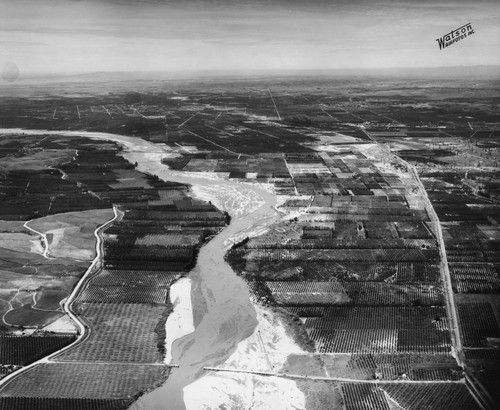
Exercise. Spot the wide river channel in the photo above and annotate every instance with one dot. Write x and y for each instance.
(222, 313)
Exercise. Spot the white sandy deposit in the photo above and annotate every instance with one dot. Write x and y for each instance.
(228, 319)
(265, 350)
(243, 391)
(236, 200)
(180, 321)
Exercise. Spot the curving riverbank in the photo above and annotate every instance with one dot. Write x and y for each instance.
(221, 313)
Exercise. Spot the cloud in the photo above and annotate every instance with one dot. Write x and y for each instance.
(132, 35)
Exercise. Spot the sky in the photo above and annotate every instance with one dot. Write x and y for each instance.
(85, 36)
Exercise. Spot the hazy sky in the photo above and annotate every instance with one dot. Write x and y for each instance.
(55, 36)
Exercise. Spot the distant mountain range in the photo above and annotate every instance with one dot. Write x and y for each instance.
(459, 72)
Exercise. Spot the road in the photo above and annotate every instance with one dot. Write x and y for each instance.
(274, 103)
(214, 143)
(475, 387)
(45, 241)
(222, 313)
(336, 379)
(199, 111)
(9, 302)
(84, 331)
(456, 340)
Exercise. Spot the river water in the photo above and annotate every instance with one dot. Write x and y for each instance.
(223, 315)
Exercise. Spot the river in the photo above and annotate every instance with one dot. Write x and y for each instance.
(222, 313)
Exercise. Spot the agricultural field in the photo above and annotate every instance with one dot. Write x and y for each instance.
(393, 366)
(85, 381)
(158, 230)
(355, 268)
(45, 247)
(120, 332)
(18, 351)
(466, 202)
(48, 403)
(71, 234)
(416, 396)
(115, 286)
(353, 260)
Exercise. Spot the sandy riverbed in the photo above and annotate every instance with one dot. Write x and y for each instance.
(214, 329)
(180, 321)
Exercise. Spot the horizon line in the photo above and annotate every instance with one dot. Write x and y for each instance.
(203, 72)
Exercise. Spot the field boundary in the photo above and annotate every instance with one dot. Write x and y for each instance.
(82, 335)
(337, 379)
(445, 272)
